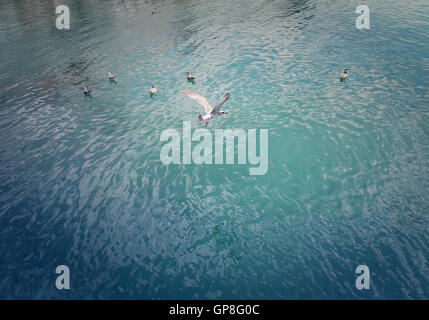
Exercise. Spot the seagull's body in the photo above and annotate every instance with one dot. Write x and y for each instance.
(210, 111)
(344, 75)
(112, 77)
(154, 11)
(153, 90)
(189, 76)
(86, 91)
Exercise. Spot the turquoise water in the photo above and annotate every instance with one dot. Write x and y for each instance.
(82, 184)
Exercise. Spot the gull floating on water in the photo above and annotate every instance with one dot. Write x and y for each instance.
(189, 76)
(208, 109)
(344, 75)
(86, 91)
(153, 90)
(112, 77)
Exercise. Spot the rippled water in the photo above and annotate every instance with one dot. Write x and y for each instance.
(82, 184)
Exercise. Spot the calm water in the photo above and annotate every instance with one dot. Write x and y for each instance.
(82, 184)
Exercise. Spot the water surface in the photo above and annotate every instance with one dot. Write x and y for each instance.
(82, 184)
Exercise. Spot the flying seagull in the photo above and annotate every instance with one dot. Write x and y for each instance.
(208, 109)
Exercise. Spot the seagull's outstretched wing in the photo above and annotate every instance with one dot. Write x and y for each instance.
(221, 102)
(200, 99)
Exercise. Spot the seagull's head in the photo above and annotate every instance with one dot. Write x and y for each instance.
(153, 85)
(200, 118)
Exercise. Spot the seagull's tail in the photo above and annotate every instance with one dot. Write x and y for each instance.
(200, 118)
